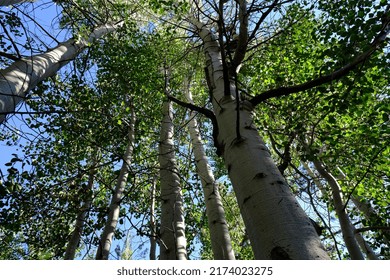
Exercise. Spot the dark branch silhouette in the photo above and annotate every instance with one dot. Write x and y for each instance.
(343, 71)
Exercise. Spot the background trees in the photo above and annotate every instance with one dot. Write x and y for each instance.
(308, 77)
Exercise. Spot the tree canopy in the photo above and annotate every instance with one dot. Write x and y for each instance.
(291, 99)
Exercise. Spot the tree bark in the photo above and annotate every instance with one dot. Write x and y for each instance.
(219, 232)
(114, 209)
(74, 240)
(173, 240)
(367, 210)
(23, 75)
(153, 226)
(345, 223)
(365, 247)
(277, 226)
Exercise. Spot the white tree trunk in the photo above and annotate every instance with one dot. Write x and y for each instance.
(23, 75)
(173, 242)
(365, 247)
(277, 226)
(80, 220)
(366, 208)
(153, 226)
(114, 209)
(13, 2)
(219, 232)
(345, 223)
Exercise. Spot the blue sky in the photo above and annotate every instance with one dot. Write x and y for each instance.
(46, 14)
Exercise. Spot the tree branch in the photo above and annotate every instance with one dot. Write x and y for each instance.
(9, 56)
(283, 91)
(221, 32)
(262, 18)
(242, 43)
(364, 175)
(372, 228)
(206, 112)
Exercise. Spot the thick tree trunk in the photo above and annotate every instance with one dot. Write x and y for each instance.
(74, 240)
(23, 75)
(277, 226)
(345, 223)
(114, 209)
(173, 240)
(219, 232)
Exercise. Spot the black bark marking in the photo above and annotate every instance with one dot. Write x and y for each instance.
(260, 175)
(317, 227)
(278, 253)
(229, 167)
(238, 141)
(249, 126)
(265, 149)
(246, 199)
(210, 84)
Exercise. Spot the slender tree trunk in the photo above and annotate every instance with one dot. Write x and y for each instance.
(367, 210)
(23, 75)
(345, 223)
(13, 2)
(370, 213)
(219, 232)
(173, 240)
(114, 209)
(314, 177)
(80, 220)
(365, 247)
(153, 227)
(277, 226)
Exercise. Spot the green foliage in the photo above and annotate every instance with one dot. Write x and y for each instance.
(85, 112)
(240, 241)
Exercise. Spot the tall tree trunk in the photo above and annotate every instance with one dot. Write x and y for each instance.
(173, 240)
(277, 226)
(345, 223)
(368, 211)
(153, 226)
(365, 247)
(81, 217)
(219, 232)
(114, 209)
(23, 75)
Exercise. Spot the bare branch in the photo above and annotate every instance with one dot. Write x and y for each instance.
(206, 112)
(9, 56)
(240, 52)
(262, 18)
(372, 228)
(39, 25)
